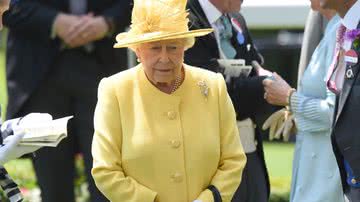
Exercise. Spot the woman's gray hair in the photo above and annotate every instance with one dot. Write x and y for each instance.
(189, 42)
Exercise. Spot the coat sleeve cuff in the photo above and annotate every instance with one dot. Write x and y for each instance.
(294, 102)
(216, 193)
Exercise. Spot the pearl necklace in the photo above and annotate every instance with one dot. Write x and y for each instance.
(177, 83)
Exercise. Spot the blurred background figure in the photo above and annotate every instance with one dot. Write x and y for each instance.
(312, 105)
(231, 40)
(12, 149)
(57, 51)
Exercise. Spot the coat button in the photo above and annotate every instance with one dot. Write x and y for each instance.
(353, 181)
(171, 115)
(175, 143)
(177, 177)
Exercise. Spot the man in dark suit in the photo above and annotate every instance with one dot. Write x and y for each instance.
(57, 51)
(346, 84)
(246, 93)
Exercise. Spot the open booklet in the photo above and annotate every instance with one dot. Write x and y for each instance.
(48, 133)
(234, 68)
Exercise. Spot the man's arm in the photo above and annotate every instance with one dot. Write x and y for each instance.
(119, 14)
(32, 18)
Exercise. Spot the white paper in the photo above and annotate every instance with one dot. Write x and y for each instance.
(43, 133)
(234, 68)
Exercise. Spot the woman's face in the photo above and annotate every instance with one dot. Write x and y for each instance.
(315, 5)
(162, 60)
(227, 6)
(4, 6)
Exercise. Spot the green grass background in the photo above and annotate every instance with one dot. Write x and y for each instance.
(279, 157)
(3, 90)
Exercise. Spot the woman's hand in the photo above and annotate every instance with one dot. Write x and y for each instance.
(280, 123)
(276, 90)
(12, 150)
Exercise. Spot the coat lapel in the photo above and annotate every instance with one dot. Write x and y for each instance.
(348, 83)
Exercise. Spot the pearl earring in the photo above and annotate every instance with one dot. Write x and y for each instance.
(138, 60)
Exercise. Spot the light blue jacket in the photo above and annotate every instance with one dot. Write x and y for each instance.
(315, 175)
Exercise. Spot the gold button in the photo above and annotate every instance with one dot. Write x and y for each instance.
(175, 143)
(176, 177)
(171, 115)
(353, 181)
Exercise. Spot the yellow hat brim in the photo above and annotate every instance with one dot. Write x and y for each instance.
(158, 36)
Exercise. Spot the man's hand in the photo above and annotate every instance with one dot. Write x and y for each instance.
(77, 31)
(63, 22)
(91, 28)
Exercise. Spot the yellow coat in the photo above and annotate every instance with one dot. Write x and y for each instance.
(151, 146)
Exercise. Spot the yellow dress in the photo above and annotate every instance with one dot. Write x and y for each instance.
(151, 146)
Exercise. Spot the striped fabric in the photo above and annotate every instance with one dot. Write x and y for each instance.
(313, 114)
(9, 187)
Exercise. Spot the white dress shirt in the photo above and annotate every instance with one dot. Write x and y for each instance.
(213, 15)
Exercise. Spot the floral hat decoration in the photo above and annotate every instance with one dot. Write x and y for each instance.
(156, 20)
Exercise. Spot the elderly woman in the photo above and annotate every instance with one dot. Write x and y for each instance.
(165, 131)
(315, 174)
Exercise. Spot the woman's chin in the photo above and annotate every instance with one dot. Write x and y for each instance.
(163, 80)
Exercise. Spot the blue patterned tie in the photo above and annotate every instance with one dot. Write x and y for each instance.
(225, 34)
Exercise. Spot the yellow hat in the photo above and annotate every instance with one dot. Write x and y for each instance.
(155, 20)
